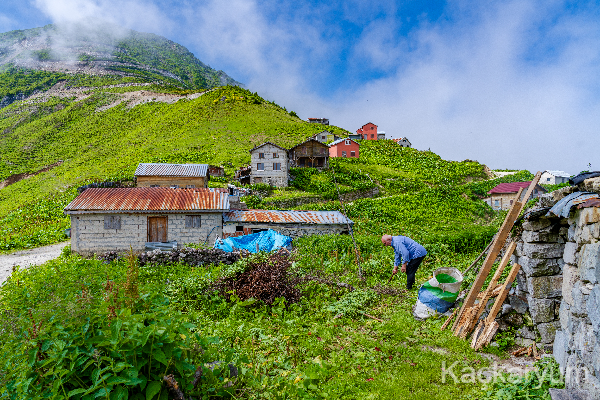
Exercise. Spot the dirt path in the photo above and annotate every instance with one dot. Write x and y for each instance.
(26, 258)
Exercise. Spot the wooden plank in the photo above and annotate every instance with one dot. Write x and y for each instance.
(530, 190)
(492, 286)
(449, 319)
(503, 233)
(502, 296)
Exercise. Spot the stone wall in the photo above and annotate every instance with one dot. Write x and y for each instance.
(89, 237)
(558, 287)
(577, 343)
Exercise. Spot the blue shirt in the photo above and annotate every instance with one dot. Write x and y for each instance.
(406, 249)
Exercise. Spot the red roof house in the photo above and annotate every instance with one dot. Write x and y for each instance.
(503, 195)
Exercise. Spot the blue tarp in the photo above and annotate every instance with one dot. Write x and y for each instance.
(267, 241)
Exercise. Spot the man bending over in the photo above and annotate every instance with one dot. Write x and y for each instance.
(408, 253)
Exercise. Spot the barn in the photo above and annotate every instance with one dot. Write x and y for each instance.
(113, 219)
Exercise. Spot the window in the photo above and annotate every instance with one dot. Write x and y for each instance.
(154, 185)
(352, 154)
(372, 129)
(496, 203)
(372, 135)
(112, 222)
(276, 166)
(547, 179)
(323, 137)
(275, 155)
(347, 142)
(261, 155)
(343, 154)
(511, 202)
(174, 186)
(190, 186)
(239, 228)
(192, 221)
(260, 166)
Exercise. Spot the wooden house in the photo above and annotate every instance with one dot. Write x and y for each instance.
(344, 148)
(113, 219)
(310, 153)
(174, 176)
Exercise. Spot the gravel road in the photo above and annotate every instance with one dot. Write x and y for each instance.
(26, 258)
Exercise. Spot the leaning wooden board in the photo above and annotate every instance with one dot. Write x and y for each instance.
(503, 233)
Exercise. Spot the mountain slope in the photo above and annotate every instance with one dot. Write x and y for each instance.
(107, 50)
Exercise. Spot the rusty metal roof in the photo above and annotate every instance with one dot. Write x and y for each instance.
(282, 217)
(563, 207)
(595, 202)
(187, 170)
(148, 200)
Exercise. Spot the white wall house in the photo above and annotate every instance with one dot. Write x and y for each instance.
(554, 177)
(117, 219)
(269, 165)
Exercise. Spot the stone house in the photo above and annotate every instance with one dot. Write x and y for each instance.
(289, 223)
(172, 175)
(344, 148)
(310, 153)
(325, 137)
(503, 195)
(270, 165)
(554, 177)
(403, 142)
(115, 219)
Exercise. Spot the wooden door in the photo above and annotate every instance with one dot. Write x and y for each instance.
(157, 229)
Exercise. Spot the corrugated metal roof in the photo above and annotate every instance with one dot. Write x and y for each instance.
(266, 143)
(560, 174)
(590, 203)
(190, 170)
(563, 207)
(282, 217)
(148, 199)
(511, 187)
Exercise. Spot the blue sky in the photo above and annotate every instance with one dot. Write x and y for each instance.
(512, 84)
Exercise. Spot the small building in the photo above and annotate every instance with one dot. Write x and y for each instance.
(404, 142)
(270, 165)
(344, 148)
(504, 194)
(216, 170)
(174, 176)
(368, 131)
(381, 135)
(325, 137)
(310, 153)
(322, 121)
(115, 219)
(355, 136)
(554, 177)
(242, 175)
(289, 223)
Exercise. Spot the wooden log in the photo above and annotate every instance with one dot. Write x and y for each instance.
(370, 316)
(487, 335)
(503, 233)
(445, 325)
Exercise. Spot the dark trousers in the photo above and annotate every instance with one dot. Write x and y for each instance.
(411, 270)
